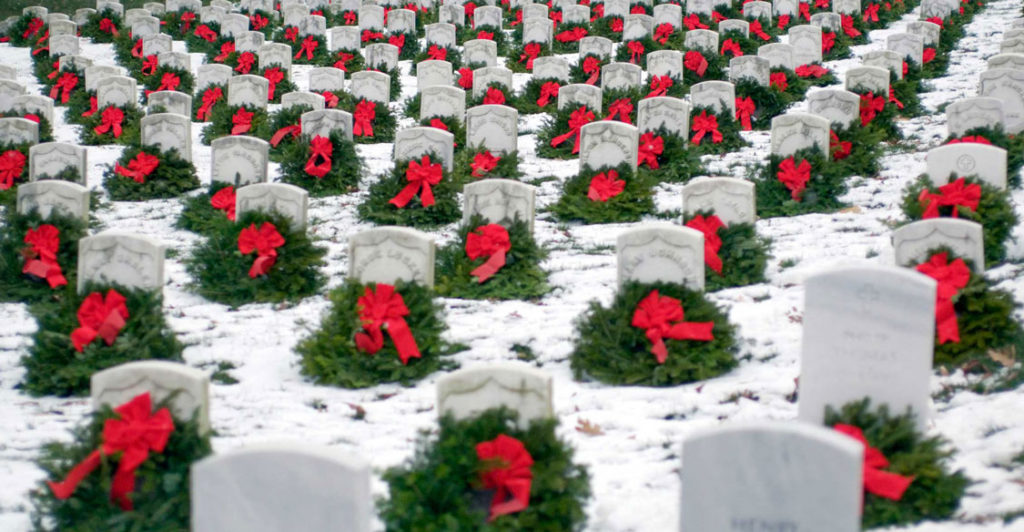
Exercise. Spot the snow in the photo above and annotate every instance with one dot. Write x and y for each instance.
(635, 463)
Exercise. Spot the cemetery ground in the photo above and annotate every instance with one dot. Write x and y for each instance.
(629, 437)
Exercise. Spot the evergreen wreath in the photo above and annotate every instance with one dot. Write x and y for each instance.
(410, 45)
(556, 125)
(677, 162)
(995, 214)
(9, 193)
(196, 43)
(19, 287)
(411, 107)
(610, 349)
(286, 117)
(885, 119)
(625, 54)
(635, 199)
(520, 278)
(578, 74)
(506, 93)
(161, 494)
(384, 123)
(795, 86)
(768, 102)
(320, 55)
(43, 65)
(197, 101)
(221, 122)
(517, 58)
(348, 60)
(1013, 144)
(856, 150)
(439, 488)
(130, 127)
(451, 54)
(331, 356)
(526, 101)
(744, 255)
(809, 79)
(835, 45)
(343, 177)
(935, 492)
(198, 213)
(748, 45)
(282, 87)
(632, 95)
(652, 88)
(177, 24)
(79, 102)
(823, 188)
(123, 47)
(45, 128)
(573, 33)
(715, 69)
(221, 271)
(27, 31)
(727, 125)
(377, 207)
(610, 27)
(450, 124)
(507, 166)
(172, 177)
(153, 82)
(98, 31)
(54, 367)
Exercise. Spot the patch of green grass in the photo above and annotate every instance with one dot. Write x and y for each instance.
(788, 263)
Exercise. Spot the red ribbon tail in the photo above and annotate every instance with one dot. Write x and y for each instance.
(404, 341)
(262, 265)
(122, 486)
(240, 128)
(405, 196)
(65, 488)
(713, 261)
(486, 270)
(945, 322)
(370, 341)
(885, 484)
(657, 346)
(111, 326)
(82, 337)
(520, 491)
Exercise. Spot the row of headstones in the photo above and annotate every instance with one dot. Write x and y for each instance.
(1004, 81)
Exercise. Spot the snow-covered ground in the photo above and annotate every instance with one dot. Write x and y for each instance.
(635, 462)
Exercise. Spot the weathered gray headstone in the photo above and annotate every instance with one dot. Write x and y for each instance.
(657, 112)
(161, 379)
(239, 160)
(806, 42)
(371, 86)
(661, 252)
(608, 144)
(481, 52)
(912, 242)
(323, 122)
(15, 130)
(499, 201)
(970, 113)
(48, 197)
(752, 67)
(287, 200)
(1008, 86)
(796, 131)
(128, 259)
(212, 74)
(467, 393)
(389, 254)
(987, 163)
(415, 142)
(731, 199)
(720, 96)
(874, 79)
(494, 127)
(52, 158)
(576, 94)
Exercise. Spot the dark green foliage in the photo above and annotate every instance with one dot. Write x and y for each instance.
(130, 134)
(840, 47)
(886, 119)
(439, 488)
(749, 44)
(197, 101)
(321, 57)
(935, 492)
(346, 167)
(526, 101)
(411, 107)
(866, 146)
(53, 367)
(445, 210)
(20, 27)
(284, 117)
(744, 254)
(152, 82)
(79, 103)
(635, 200)
(473, 101)
(92, 27)
(18, 287)
(1013, 144)
(172, 177)
(220, 121)
(198, 215)
(507, 167)
(160, 497)
(768, 102)
(384, 124)
(516, 60)
(995, 214)
(410, 48)
(905, 91)
(221, 271)
(454, 56)
(557, 124)
(624, 55)
(633, 95)
(677, 162)
(520, 278)
(123, 52)
(578, 75)
(611, 350)
(330, 356)
(282, 87)
(568, 47)
(716, 70)
(197, 44)
(727, 125)
(827, 183)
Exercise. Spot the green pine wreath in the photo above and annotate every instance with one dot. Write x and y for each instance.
(822, 193)
(578, 75)
(452, 55)
(152, 82)
(438, 489)
(198, 214)
(321, 56)
(866, 146)
(520, 278)
(384, 123)
(18, 30)
(768, 103)
(53, 367)
(635, 200)
(886, 119)
(284, 117)
(474, 101)
(78, 103)
(346, 167)
(411, 107)
(220, 270)
(678, 163)
(905, 91)
(197, 101)
(507, 167)
(727, 125)
(609, 349)
(377, 208)
(172, 177)
(526, 101)
(555, 125)
(516, 60)
(330, 356)
(282, 87)
(220, 124)
(130, 128)
(624, 55)
(744, 255)
(935, 492)
(16, 286)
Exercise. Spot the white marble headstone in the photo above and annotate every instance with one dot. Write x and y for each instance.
(731, 199)
(482, 52)
(806, 43)
(371, 86)
(389, 254)
(661, 252)
(1007, 85)
(792, 132)
(499, 201)
(289, 201)
(168, 131)
(986, 163)
(752, 67)
(838, 106)
(248, 89)
(874, 79)
(439, 101)
(608, 144)
(720, 96)
(494, 127)
(433, 72)
(314, 101)
(52, 158)
(15, 130)
(241, 158)
(657, 112)
(323, 122)
(50, 196)
(190, 387)
(665, 63)
(970, 113)
(620, 75)
(913, 242)
(128, 259)
(212, 74)
(415, 142)
(469, 392)
(576, 94)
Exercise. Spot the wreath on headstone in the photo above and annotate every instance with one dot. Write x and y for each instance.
(734, 255)
(996, 136)
(202, 212)
(38, 257)
(605, 195)
(169, 79)
(324, 166)
(801, 183)
(235, 120)
(477, 162)
(539, 95)
(418, 193)
(29, 30)
(112, 125)
(372, 122)
(665, 157)
(714, 133)
(147, 172)
(559, 136)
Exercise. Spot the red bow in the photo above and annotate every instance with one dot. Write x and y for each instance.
(597, 12)
(745, 109)
(12, 164)
(779, 81)
(704, 124)
(530, 52)
(41, 255)
(638, 10)
(491, 241)
(242, 121)
(149, 65)
(616, 25)
(821, 4)
(571, 35)
(483, 163)
(469, 8)
(186, 19)
(466, 78)
(655, 313)
(421, 176)
(34, 26)
(518, 20)
(274, 76)
(935, 20)
(319, 163)
(134, 435)
(828, 40)
(871, 13)
(649, 149)
(732, 47)
(437, 53)
(783, 21)
(838, 149)
(211, 96)
(107, 26)
(507, 472)
(951, 277)
(309, 45)
(694, 61)
(224, 200)
(663, 32)
(794, 176)
(620, 110)
(805, 11)
(756, 29)
(808, 71)
(246, 60)
(139, 168)
(548, 91)
(660, 86)
(258, 22)
(397, 41)
(955, 194)
(64, 85)
(99, 316)
(712, 242)
(350, 18)
(169, 82)
(385, 308)
(881, 483)
(636, 51)
(971, 139)
(605, 186)
(494, 96)
(264, 242)
(592, 66)
(204, 32)
(369, 35)
(366, 112)
(54, 70)
(870, 106)
(929, 55)
(848, 28)
(291, 33)
(717, 17)
(342, 59)
(110, 120)
(556, 18)
(692, 22)
(577, 119)
(893, 99)
(226, 49)
(92, 107)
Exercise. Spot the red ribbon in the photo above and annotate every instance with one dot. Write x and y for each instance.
(571, 35)
(530, 52)
(556, 17)
(204, 32)
(508, 472)
(211, 96)
(107, 26)
(41, 255)
(485, 35)
(783, 21)
(805, 11)
(828, 40)
(605, 186)
(870, 13)
(319, 163)
(838, 149)
(893, 99)
(421, 176)
(138, 168)
(577, 119)
(309, 45)
(169, 82)
(881, 483)
(794, 176)
(811, 71)
(692, 22)
(616, 25)
(491, 241)
(745, 108)
(592, 66)
(870, 106)
(226, 50)
(439, 124)
(620, 110)
(293, 130)
(717, 17)
(385, 308)
(649, 149)
(951, 277)
(186, 19)
(469, 8)
(246, 60)
(99, 316)
(397, 41)
(955, 194)
(518, 20)
(264, 242)
(662, 317)
(971, 139)
(366, 112)
(660, 85)
(756, 29)
(137, 49)
(694, 61)
(731, 47)
(597, 12)
(149, 65)
(92, 107)
(64, 85)
(779, 81)
(494, 96)
(636, 51)
(663, 32)
(274, 76)
(929, 55)
(224, 200)
(54, 70)
(12, 164)
(704, 124)
(110, 120)
(369, 35)
(483, 163)
(437, 53)
(241, 121)
(134, 435)
(848, 27)
(343, 58)
(350, 18)
(712, 242)
(935, 20)
(291, 33)
(34, 26)
(258, 22)
(466, 78)
(548, 91)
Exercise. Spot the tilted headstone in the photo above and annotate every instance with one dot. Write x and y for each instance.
(250, 41)
(970, 113)
(14, 130)
(482, 77)
(887, 59)
(441, 34)
(661, 252)
(838, 106)
(657, 112)
(289, 201)
(154, 44)
(806, 43)
(665, 63)
(731, 199)
(128, 259)
(597, 46)
(239, 160)
(54, 196)
(382, 56)
(51, 158)
(63, 45)
(929, 31)
(761, 476)
(344, 38)
(494, 127)
(276, 54)
(636, 27)
(323, 122)
(499, 201)
(913, 242)
(248, 89)
(309, 99)
(415, 142)
(1011, 61)
(752, 67)
(371, 86)
(481, 52)
(523, 389)
(705, 41)
(908, 45)
(281, 487)
(433, 72)
(441, 101)
(389, 254)
(987, 163)
(576, 94)
(868, 332)
(874, 79)
(327, 79)
(537, 30)
(41, 106)
(827, 21)
(792, 132)
(1008, 86)
(620, 75)
(168, 131)
(720, 96)
(779, 55)
(190, 388)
